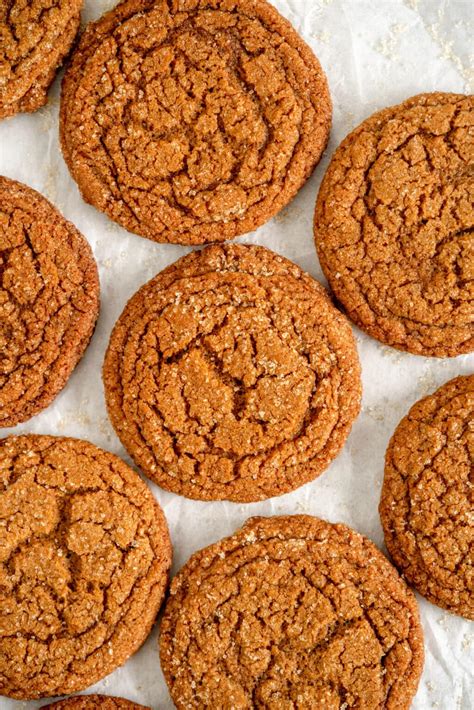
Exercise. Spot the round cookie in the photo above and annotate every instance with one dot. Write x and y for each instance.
(49, 301)
(427, 503)
(291, 612)
(231, 375)
(84, 561)
(193, 122)
(34, 39)
(394, 225)
(94, 702)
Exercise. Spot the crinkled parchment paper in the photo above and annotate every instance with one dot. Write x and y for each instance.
(375, 53)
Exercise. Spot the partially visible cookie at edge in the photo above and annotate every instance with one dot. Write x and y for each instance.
(231, 375)
(291, 611)
(193, 122)
(394, 225)
(427, 502)
(94, 702)
(34, 40)
(49, 301)
(84, 561)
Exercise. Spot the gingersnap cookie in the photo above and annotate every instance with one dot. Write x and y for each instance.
(34, 39)
(291, 612)
(231, 375)
(394, 225)
(49, 301)
(94, 702)
(84, 560)
(427, 503)
(191, 122)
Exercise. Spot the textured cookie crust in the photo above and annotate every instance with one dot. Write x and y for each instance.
(84, 560)
(34, 39)
(192, 121)
(394, 225)
(49, 301)
(291, 612)
(231, 375)
(427, 503)
(94, 702)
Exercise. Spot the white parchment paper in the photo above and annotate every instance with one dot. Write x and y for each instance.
(375, 53)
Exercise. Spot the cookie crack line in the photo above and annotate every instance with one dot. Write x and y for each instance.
(241, 391)
(250, 94)
(336, 629)
(372, 213)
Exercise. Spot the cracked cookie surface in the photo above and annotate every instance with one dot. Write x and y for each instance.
(427, 502)
(193, 121)
(291, 612)
(34, 39)
(394, 225)
(49, 301)
(94, 702)
(84, 560)
(231, 375)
